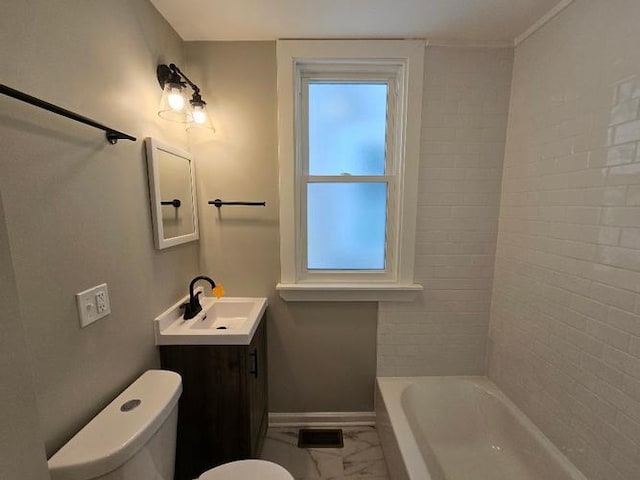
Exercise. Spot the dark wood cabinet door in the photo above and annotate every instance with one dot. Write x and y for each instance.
(257, 389)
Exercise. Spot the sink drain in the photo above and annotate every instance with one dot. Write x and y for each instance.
(221, 328)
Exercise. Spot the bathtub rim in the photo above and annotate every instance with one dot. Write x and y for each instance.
(391, 389)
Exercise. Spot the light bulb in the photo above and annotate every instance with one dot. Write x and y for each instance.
(200, 120)
(199, 115)
(175, 99)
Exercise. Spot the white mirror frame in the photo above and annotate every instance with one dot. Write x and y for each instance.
(153, 168)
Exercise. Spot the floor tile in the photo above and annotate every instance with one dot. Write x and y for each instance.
(360, 459)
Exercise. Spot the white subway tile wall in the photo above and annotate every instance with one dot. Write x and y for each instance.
(565, 323)
(466, 98)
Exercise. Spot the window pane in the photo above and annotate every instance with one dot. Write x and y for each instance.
(347, 128)
(346, 226)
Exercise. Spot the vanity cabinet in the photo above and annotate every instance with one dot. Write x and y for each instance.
(222, 412)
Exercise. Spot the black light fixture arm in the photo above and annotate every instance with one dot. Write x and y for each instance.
(173, 75)
(174, 68)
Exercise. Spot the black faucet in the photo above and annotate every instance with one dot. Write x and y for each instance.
(193, 307)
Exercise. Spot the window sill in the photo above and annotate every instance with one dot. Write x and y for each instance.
(348, 292)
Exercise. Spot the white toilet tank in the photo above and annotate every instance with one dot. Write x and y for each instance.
(133, 438)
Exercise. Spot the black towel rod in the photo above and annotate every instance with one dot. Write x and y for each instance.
(175, 202)
(219, 203)
(112, 135)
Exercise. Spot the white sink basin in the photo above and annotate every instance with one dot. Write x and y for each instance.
(224, 321)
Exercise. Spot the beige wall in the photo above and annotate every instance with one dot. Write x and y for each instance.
(565, 325)
(77, 208)
(466, 98)
(22, 450)
(321, 355)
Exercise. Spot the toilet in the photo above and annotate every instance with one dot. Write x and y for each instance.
(134, 438)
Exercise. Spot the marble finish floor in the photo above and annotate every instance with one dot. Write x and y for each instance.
(361, 458)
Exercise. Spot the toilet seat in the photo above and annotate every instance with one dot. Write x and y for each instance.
(247, 470)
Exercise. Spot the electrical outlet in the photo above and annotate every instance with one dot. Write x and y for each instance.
(93, 304)
(101, 301)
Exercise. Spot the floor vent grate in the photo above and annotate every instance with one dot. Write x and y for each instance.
(320, 438)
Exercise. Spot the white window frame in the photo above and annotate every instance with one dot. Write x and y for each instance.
(400, 62)
(382, 74)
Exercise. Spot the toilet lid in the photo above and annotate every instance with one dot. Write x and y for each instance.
(247, 470)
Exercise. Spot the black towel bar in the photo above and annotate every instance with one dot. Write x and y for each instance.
(219, 203)
(112, 135)
(175, 202)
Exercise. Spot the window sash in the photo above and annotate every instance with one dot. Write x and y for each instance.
(308, 272)
(348, 74)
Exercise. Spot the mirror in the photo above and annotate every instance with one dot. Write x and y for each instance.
(172, 191)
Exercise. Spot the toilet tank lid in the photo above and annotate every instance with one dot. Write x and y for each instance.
(120, 430)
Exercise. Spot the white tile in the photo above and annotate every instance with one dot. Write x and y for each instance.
(457, 219)
(586, 323)
(361, 457)
(625, 112)
(621, 216)
(627, 132)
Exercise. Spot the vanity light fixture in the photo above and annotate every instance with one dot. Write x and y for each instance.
(174, 105)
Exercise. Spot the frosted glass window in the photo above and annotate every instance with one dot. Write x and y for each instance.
(346, 225)
(347, 128)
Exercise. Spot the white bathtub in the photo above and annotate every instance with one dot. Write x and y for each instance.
(461, 428)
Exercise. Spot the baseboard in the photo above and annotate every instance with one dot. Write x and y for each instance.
(322, 419)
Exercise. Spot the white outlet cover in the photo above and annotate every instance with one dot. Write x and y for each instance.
(93, 304)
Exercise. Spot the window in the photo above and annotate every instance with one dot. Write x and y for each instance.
(349, 128)
(343, 183)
